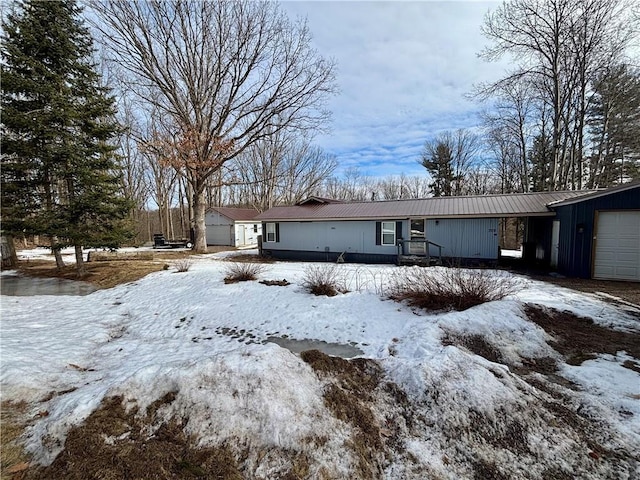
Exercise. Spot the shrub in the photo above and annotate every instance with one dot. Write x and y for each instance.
(323, 279)
(450, 288)
(242, 272)
(183, 264)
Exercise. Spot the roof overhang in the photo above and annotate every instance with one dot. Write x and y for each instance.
(406, 217)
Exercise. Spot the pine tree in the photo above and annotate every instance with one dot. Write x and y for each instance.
(614, 121)
(59, 169)
(439, 166)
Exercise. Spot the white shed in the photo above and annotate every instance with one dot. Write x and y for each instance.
(234, 227)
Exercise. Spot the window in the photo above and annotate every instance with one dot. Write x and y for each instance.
(255, 228)
(388, 233)
(271, 232)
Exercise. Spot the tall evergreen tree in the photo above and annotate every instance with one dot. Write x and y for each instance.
(614, 123)
(439, 165)
(59, 169)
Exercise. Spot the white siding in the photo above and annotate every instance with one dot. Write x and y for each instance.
(617, 246)
(245, 235)
(219, 235)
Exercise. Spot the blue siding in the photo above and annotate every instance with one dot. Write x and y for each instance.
(470, 238)
(575, 255)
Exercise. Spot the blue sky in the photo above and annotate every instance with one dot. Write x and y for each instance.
(403, 69)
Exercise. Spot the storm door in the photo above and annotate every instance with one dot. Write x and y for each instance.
(417, 233)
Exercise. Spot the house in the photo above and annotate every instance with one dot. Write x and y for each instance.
(236, 227)
(461, 228)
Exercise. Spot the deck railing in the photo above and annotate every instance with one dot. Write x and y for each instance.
(405, 251)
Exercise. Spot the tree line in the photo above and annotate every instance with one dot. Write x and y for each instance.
(196, 104)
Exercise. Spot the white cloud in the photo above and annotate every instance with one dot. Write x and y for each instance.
(403, 70)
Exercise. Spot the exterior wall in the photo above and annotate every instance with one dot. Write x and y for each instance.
(469, 238)
(577, 229)
(321, 237)
(214, 218)
(473, 238)
(246, 231)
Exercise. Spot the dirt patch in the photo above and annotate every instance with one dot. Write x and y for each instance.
(114, 444)
(275, 283)
(247, 258)
(579, 338)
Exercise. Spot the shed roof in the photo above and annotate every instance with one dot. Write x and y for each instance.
(236, 214)
(478, 206)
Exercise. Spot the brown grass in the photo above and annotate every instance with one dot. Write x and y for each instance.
(134, 451)
(106, 274)
(12, 455)
(349, 398)
(578, 338)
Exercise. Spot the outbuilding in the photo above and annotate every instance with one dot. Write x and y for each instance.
(597, 235)
(236, 227)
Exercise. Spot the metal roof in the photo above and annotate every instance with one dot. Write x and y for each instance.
(598, 193)
(236, 214)
(480, 206)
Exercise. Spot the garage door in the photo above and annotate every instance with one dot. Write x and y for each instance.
(617, 252)
(219, 234)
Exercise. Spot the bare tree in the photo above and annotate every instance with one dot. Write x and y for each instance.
(229, 73)
(510, 131)
(558, 47)
(281, 169)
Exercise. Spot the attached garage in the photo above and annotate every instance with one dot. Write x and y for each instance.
(617, 246)
(599, 234)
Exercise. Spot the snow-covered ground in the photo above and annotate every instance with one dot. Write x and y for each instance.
(193, 334)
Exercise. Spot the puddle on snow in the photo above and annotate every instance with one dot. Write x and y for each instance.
(333, 349)
(15, 285)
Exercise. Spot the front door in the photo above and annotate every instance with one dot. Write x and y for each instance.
(417, 233)
(241, 236)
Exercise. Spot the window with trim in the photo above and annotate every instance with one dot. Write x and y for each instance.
(255, 228)
(388, 233)
(271, 232)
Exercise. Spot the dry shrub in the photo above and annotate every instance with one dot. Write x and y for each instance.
(242, 272)
(323, 279)
(183, 264)
(449, 288)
